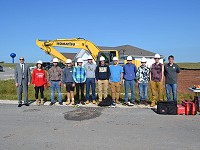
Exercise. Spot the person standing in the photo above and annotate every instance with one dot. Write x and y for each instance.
(39, 81)
(55, 78)
(142, 77)
(79, 76)
(22, 81)
(129, 81)
(68, 81)
(156, 80)
(116, 78)
(102, 74)
(90, 80)
(170, 71)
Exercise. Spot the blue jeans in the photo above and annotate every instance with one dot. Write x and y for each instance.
(55, 85)
(131, 85)
(172, 87)
(143, 87)
(90, 82)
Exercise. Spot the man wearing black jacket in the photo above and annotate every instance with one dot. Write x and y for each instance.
(102, 74)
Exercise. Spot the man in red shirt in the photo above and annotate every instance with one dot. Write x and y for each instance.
(39, 80)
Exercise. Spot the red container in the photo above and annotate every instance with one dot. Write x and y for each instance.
(180, 109)
(190, 107)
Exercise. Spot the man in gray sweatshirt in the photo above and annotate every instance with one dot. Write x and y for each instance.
(90, 80)
(68, 81)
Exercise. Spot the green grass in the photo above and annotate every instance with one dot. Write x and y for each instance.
(9, 91)
(189, 65)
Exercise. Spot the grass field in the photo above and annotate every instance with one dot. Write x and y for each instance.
(9, 91)
(189, 65)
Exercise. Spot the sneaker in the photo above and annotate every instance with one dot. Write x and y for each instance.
(27, 104)
(129, 103)
(113, 105)
(51, 104)
(87, 102)
(60, 103)
(19, 105)
(117, 101)
(82, 102)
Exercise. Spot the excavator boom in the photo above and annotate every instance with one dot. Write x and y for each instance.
(49, 47)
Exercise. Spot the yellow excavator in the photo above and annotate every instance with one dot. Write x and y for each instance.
(49, 47)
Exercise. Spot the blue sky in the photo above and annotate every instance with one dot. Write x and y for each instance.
(161, 26)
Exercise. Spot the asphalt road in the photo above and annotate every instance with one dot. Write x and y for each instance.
(59, 127)
(7, 74)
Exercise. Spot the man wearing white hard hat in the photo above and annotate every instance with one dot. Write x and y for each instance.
(90, 80)
(102, 74)
(39, 81)
(116, 77)
(55, 79)
(129, 81)
(142, 76)
(79, 76)
(156, 80)
(68, 81)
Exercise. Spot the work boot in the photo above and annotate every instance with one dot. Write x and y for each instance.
(73, 102)
(117, 101)
(42, 102)
(153, 103)
(37, 102)
(87, 102)
(94, 102)
(68, 102)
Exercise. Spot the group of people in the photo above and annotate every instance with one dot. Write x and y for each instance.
(104, 76)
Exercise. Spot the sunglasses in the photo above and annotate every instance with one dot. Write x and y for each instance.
(21, 59)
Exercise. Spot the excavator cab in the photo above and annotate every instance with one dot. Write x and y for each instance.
(108, 55)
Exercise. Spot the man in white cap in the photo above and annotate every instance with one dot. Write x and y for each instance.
(55, 79)
(90, 80)
(142, 77)
(116, 77)
(102, 74)
(156, 80)
(129, 81)
(68, 81)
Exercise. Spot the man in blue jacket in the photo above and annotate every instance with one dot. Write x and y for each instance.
(129, 77)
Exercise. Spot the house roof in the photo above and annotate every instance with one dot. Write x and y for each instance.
(129, 50)
(69, 55)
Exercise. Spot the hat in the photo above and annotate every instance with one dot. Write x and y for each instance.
(102, 58)
(89, 57)
(143, 59)
(80, 60)
(157, 56)
(115, 58)
(129, 58)
(55, 60)
(39, 62)
(68, 61)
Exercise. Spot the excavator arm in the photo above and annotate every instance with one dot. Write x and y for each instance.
(49, 47)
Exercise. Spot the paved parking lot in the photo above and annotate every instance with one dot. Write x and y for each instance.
(7, 74)
(61, 127)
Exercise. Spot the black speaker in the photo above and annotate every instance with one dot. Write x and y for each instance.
(167, 108)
